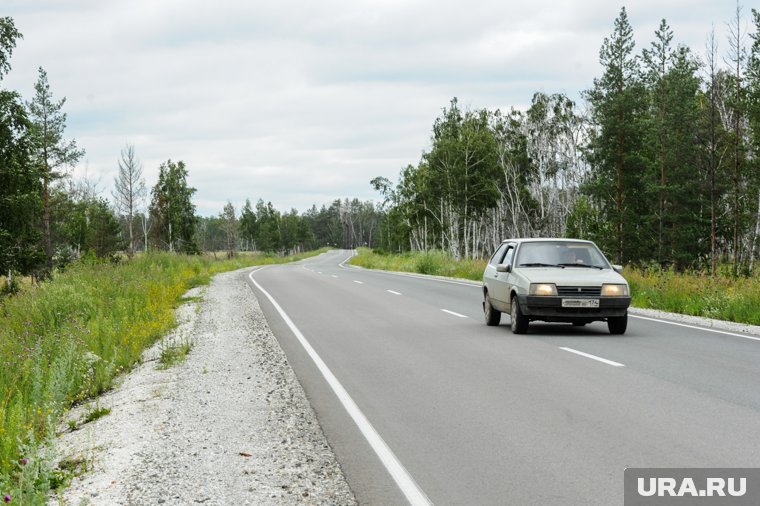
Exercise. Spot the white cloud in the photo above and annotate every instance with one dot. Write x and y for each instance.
(304, 102)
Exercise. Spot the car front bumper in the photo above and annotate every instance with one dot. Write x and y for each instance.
(550, 309)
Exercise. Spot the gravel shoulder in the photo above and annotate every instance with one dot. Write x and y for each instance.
(229, 425)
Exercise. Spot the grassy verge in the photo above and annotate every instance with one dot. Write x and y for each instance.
(435, 263)
(66, 340)
(723, 297)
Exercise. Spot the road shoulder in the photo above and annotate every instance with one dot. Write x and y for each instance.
(229, 425)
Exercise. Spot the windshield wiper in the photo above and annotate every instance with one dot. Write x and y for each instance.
(539, 264)
(583, 265)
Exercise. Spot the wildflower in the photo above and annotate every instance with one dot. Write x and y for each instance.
(7, 498)
(23, 461)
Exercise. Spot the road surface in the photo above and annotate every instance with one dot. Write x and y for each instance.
(433, 406)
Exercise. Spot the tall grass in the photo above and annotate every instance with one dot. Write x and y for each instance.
(722, 297)
(435, 263)
(66, 340)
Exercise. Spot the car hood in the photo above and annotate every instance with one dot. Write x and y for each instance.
(571, 276)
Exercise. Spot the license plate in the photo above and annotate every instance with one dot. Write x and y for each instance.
(580, 302)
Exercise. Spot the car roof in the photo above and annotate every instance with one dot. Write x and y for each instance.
(546, 239)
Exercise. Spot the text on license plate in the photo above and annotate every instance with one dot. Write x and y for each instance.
(580, 302)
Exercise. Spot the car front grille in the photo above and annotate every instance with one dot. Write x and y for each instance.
(579, 291)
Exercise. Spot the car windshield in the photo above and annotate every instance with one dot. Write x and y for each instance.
(560, 254)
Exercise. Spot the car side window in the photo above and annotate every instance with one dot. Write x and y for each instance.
(498, 255)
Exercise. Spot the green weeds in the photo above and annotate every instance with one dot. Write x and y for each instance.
(174, 353)
(435, 263)
(96, 414)
(723, 297)
(66, 340)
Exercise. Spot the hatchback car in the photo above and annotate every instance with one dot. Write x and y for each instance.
(554, 280)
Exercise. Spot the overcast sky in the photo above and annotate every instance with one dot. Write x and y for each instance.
(303, 102)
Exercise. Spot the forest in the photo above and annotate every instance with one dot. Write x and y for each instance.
(657, 163)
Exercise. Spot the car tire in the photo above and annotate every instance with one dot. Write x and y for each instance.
(492, 316)
(617, 324)
(519, 323)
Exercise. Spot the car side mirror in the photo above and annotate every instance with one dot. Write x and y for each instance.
(503, 268)
(617, 268)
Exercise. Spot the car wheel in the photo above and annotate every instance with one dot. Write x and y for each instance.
(617, 324)
(492, 316)
(519, 320)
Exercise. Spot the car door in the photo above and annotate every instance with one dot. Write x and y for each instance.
(490, 275)
(502, 280)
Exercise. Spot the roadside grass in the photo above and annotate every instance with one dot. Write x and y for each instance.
(96, 414)
(174, 353)
(65, 341)
(723, 297)
(435, 263)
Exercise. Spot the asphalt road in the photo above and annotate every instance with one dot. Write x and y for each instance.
(470, 414)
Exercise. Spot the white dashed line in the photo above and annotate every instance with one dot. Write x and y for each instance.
(594, 357)
(394, 293)
(453, 313)
(359, 282)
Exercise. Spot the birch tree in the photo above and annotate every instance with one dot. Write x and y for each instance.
(129, 190)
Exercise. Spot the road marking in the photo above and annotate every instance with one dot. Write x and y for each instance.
(319, 272)
(593, 357)
(695, 327)
(359, 282)
(394, 293)
(400, 475)
(453, 313)
(333, 275)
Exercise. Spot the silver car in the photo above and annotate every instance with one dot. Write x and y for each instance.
(554, 280)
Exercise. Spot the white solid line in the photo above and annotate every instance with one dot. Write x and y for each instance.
(593, 357)
(394, 293)
(706, 329)
(400, 475)
(359, 282)
(455, 314)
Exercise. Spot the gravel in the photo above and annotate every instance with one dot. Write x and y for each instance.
(228, 425)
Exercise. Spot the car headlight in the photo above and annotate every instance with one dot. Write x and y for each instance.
(542, 289)
(614, 290)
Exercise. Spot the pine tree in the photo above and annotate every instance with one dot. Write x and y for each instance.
(20, 187)
(618, 105)
(52, 154)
